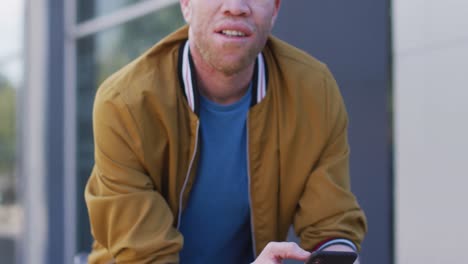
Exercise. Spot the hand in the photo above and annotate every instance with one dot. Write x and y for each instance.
(276, 252)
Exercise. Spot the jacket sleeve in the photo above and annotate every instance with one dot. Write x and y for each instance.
(327, 209)
(127, 216)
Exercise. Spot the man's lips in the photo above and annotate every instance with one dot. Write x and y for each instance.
(234, 30)
(232, 33)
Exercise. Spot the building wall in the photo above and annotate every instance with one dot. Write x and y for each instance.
(431, 128)
(354, 41)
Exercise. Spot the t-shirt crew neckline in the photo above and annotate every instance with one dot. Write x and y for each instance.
(217, 107)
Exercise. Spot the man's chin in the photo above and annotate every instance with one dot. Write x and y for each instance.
(231, 69)
(234, 66)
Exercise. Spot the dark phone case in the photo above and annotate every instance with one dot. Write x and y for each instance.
(332, 257)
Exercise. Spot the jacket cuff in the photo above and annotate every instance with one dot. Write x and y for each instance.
(334, 241)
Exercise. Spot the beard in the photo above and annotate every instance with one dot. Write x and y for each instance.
(229, 59)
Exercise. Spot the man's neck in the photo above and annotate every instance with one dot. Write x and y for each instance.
(219, 87)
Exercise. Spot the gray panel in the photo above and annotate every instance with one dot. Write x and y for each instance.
(7, 250)
(353, 39)
(55, 135)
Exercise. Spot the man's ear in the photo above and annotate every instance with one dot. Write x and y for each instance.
(276, 11)
(186, 7)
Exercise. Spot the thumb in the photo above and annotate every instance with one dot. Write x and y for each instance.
(285, 250)
(290, 250)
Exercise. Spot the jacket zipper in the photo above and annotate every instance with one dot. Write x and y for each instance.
(250, 196)
(179, 217)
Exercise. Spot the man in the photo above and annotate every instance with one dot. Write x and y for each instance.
(217, 140)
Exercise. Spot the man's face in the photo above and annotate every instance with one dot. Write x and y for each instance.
(229, 34)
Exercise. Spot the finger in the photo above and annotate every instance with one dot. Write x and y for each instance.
(289, 250)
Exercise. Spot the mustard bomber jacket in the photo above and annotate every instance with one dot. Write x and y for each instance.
(146, 151)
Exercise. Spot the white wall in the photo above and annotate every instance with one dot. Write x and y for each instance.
(431, 130)
(33, 245)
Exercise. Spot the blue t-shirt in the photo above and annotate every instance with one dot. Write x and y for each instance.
(216, 221)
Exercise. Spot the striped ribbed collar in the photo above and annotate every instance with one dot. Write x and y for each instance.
(188, 79)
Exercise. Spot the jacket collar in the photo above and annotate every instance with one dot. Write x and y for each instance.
(187, 78)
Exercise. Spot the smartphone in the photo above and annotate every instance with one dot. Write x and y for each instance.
(332, 257)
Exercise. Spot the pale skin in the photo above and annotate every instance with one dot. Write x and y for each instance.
(225, 62)
(225, 38)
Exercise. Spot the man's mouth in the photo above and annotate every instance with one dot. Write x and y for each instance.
(233, 33)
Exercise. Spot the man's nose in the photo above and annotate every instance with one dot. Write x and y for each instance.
(236, 7)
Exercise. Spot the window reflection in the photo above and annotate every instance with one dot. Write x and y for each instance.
(10, 81)
(9, 210)
(99, 56)
(7, 140)
(88, 9)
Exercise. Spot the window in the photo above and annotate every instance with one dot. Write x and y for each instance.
(88, 9)
(98, 56)
(11, 78)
